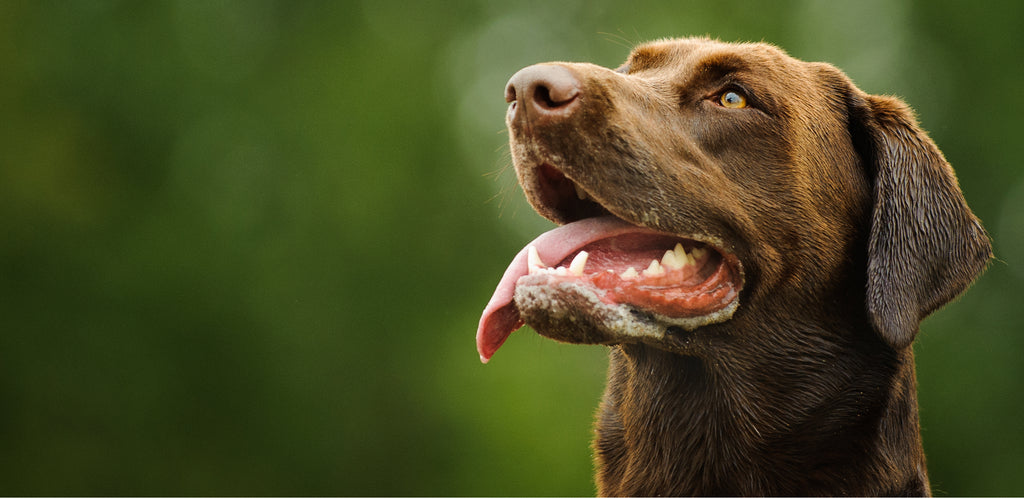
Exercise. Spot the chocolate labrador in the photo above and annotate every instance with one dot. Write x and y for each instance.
(757, 240)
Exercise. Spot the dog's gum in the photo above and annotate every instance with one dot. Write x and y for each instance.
(689, 291)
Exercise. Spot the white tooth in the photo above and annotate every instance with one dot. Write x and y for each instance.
(681, 255)
(578, 263)
(561, 271)
(698, 253)
(629, 274)
(580, 193)
(654, 269)
(533, 260)
(670, 262)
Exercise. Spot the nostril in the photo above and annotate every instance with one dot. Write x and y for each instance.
(543, 97)
(510, 92)
(543, 88)
(552, 95)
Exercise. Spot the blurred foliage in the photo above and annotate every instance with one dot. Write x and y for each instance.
(244, 244)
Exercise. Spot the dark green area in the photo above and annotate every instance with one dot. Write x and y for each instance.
(244, 244)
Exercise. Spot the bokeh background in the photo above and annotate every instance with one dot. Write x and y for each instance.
(244, 244)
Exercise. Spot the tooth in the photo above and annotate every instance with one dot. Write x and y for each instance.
(629, 274)
(578, 263)
(685, 256)
(698, 252)
(669, 261)
(654, 269)
(533, 260)
(580, 193)
(681, 255)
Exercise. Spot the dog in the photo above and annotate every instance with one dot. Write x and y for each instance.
(757, 240)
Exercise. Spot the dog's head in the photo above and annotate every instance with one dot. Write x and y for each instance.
(703, 182)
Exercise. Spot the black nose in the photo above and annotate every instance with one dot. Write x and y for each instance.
(542, 91)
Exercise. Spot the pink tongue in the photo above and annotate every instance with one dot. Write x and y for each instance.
(500, 317)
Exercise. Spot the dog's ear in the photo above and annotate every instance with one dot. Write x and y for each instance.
(925, 245)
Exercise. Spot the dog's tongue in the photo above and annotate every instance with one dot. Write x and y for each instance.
(500, 317)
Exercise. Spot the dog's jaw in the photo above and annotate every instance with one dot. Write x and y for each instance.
(611, 282)
(576, 313)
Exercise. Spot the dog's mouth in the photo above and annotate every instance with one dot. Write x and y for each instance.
(598, 271)
(562, 198)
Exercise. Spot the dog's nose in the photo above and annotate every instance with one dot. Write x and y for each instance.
(542, 91)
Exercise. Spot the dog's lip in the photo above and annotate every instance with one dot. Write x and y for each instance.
(501, 318)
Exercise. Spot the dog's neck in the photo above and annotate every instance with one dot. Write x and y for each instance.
(683, 425)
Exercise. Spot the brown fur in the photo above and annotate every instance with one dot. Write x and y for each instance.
(850, 227)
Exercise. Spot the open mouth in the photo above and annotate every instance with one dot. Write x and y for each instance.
(619, 268)
(564, 197)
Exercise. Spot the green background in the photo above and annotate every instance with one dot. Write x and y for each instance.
(244, 244)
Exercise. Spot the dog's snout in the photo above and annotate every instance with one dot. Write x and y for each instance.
(543, 90)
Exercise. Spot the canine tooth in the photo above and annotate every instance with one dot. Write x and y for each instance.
(533, 260)
(580, 193)
(654, 269)
(629, 274)
(670, 261)
(578, 263)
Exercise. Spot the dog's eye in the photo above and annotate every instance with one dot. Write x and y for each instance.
(733, 100)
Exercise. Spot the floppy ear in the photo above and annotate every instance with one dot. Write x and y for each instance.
(925, 245)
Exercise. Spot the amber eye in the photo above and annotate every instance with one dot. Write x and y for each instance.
(733, 100)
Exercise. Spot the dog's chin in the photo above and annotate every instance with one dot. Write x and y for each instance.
(575, 313)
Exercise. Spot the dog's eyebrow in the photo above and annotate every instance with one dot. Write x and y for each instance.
(718, 66)
(646, 57)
